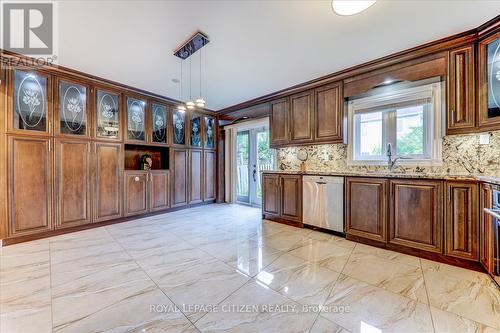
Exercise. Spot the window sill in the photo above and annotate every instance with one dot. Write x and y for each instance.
(405, 163)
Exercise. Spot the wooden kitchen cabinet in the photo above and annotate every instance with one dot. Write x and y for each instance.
(416, 218)
(160, 190)
(461, 220)
(108, 181)
(328, 113)
(461, 117)
(301, 117)
(179, 174)
(270, 194)
(29, 182)
(136, 192)
(73, 172)
(209, 175)
(366, 208)
(278, 123)
(282, 197)
(195, 158)
(485, 230)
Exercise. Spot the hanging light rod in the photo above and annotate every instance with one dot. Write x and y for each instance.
(193, 44)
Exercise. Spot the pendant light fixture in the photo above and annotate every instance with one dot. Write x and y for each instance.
(190, 104)
(181, 107)
(350, 7)
(200, 102)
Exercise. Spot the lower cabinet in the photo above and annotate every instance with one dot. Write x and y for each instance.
(195, 157)
(209, 175)
(136, 192)
(108, 181)
(416, 218)
(160, 190)
(73, 182)
(366, 208)
(282, 196)
(486, 254)
(179, 165)
(29, 182)
(461, 220)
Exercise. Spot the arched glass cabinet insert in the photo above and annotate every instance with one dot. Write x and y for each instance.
(30, 101)
(195, 129)
(136, 118)
(493, 74)
(108, 115)
(72, 108)
(209, 132)
(179, 127)
(159, 123)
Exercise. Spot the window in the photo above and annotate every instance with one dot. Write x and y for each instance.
(407, 121)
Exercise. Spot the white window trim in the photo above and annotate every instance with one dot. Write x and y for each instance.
(433, 91)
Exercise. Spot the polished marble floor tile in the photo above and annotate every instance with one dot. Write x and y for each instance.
(202, 266)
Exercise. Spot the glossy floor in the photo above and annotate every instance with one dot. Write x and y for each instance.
(220, 268)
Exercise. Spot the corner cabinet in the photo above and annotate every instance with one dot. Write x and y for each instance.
(29, 182)
(461, 220)
(366, 208)
(282, 197)
(422, 229)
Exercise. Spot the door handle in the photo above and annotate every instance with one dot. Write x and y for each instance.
(321, 183)
(254, 174)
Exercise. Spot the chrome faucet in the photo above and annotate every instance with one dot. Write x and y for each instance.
(391, 162)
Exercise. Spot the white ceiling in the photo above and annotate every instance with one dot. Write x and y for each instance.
(256, 47)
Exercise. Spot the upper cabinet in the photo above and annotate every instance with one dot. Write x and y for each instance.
(195, 120)
(309, 117)
(328, 113)
(30, 102)
(159, 123)
(107, 115)
(489, 82)
(301, 117)
(136, 119)
(209, 132)
(72, 108)
(179, 127)
(461, 116)
(278, 122)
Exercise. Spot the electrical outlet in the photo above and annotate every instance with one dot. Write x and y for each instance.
(484, 139)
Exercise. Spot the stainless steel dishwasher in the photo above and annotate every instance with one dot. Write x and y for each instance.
(323, 202)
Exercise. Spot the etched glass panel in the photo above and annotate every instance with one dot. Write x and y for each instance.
(108, 117)
(72, 108)
(209, 132)
(195, 127)
(136, 118)
(494, 78)
(179, 124)
(30, 91)
(159, 123)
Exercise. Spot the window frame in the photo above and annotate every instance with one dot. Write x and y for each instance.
(386, 102)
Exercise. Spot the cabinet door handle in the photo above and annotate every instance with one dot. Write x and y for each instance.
(50, 148)
(136, 178)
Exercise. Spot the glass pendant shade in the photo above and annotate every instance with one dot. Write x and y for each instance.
(181, 108)
(200, 102)
(190, 105)
(350, 7)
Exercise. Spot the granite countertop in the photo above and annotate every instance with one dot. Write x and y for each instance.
(494, 180)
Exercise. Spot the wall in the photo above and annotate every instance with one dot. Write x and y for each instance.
(462, 155)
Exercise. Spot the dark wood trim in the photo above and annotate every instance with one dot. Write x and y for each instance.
(3, 152)
(419, 51)
(282, 220)
(10, 241)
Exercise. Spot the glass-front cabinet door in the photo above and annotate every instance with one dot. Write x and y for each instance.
(489, 78)
(108, 115)
(72, 111)
(30, 102)
(136, 118)
(159, 123)
(209, 132)
(195, 129)
(179, 127)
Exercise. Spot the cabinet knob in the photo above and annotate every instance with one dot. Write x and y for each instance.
(136, 178)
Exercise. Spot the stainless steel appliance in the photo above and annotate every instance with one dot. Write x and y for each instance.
(323, 202)
(494, 212)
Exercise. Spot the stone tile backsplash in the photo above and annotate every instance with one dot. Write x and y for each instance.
(462, 155)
